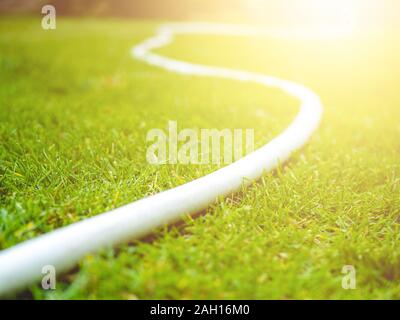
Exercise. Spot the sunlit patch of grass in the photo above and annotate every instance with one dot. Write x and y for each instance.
(74, 112)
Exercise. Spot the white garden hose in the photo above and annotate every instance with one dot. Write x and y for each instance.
(62, 248)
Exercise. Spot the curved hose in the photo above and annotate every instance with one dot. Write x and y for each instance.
(62, 248)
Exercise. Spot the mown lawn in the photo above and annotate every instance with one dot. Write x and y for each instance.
(74, 112)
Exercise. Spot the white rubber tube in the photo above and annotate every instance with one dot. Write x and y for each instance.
(62, 248)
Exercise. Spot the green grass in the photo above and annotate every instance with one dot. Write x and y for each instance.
(74, 112)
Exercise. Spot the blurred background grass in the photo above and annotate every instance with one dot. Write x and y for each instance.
(373, 14)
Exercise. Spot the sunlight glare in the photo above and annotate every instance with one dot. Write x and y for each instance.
(309, 17)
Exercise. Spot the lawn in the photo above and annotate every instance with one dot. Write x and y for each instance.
(74, 112)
